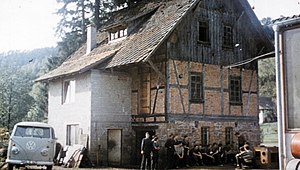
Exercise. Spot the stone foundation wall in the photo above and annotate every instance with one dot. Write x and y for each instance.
(250, 130)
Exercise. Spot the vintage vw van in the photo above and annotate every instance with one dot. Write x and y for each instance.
(31, 143)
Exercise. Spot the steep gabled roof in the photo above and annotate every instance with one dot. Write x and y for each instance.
(140, 46)
(137, 47)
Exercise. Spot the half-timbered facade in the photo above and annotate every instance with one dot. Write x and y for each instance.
(174, 66)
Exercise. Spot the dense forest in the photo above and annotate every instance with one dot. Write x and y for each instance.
(21, 98)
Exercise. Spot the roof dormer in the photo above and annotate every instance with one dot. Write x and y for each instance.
(117, 33)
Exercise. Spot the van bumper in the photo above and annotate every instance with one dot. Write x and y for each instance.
(28, 162)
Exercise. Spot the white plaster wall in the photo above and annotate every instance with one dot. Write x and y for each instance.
(59, 115)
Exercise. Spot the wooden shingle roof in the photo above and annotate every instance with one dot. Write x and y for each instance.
(135, 48)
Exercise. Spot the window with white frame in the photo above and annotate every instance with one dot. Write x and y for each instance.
(72, 137)
(68, 91)
(113, 35)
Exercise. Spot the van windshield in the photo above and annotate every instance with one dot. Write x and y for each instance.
(30, 131)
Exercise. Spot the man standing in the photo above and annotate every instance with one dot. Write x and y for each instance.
(155, 153)
(170, 151)
(240, 140)
(146, 148)
(186, 146)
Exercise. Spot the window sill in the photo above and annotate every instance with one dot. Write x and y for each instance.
(226, 47)
(194, 101)
(204, 43)
(236, 103)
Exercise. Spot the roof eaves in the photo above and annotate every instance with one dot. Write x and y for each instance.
(99, 61)
(40, 79)
(80, 69)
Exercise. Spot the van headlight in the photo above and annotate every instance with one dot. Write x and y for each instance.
(15, 150)
(44, 152)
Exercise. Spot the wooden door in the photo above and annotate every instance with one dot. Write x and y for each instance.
(145, 93)
(114, 147)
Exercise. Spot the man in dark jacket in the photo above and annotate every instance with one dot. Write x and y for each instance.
(146, 148)
(170, 151)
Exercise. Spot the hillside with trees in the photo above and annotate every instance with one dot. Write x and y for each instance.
(20, 97)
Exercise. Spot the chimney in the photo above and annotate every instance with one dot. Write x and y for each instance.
(91, 38)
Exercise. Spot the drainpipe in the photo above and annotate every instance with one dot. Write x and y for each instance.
(279, 101)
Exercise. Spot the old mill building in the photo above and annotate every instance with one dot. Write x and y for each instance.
(162, 67)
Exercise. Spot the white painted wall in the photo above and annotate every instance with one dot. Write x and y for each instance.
(102, 102)
(60, 115)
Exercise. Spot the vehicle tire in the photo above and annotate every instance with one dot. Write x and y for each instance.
(10, 166)
(49, 167)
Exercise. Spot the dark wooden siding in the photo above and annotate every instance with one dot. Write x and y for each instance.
(183, 43)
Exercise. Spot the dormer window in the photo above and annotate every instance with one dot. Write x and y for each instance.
(116, 34)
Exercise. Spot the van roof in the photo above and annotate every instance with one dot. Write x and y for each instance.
(39, 124)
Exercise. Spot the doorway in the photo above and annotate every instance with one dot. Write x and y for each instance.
(114, 147)
(140, 134)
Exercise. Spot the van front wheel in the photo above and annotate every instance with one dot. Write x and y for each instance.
(10, 166)
(49, 167)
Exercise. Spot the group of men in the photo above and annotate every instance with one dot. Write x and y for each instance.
(180, 155)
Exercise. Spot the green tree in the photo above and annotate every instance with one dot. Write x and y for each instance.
(15, 100)
(267, 26)
(20, 98)
(267, 74)
(267, 77)
(39, 109)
